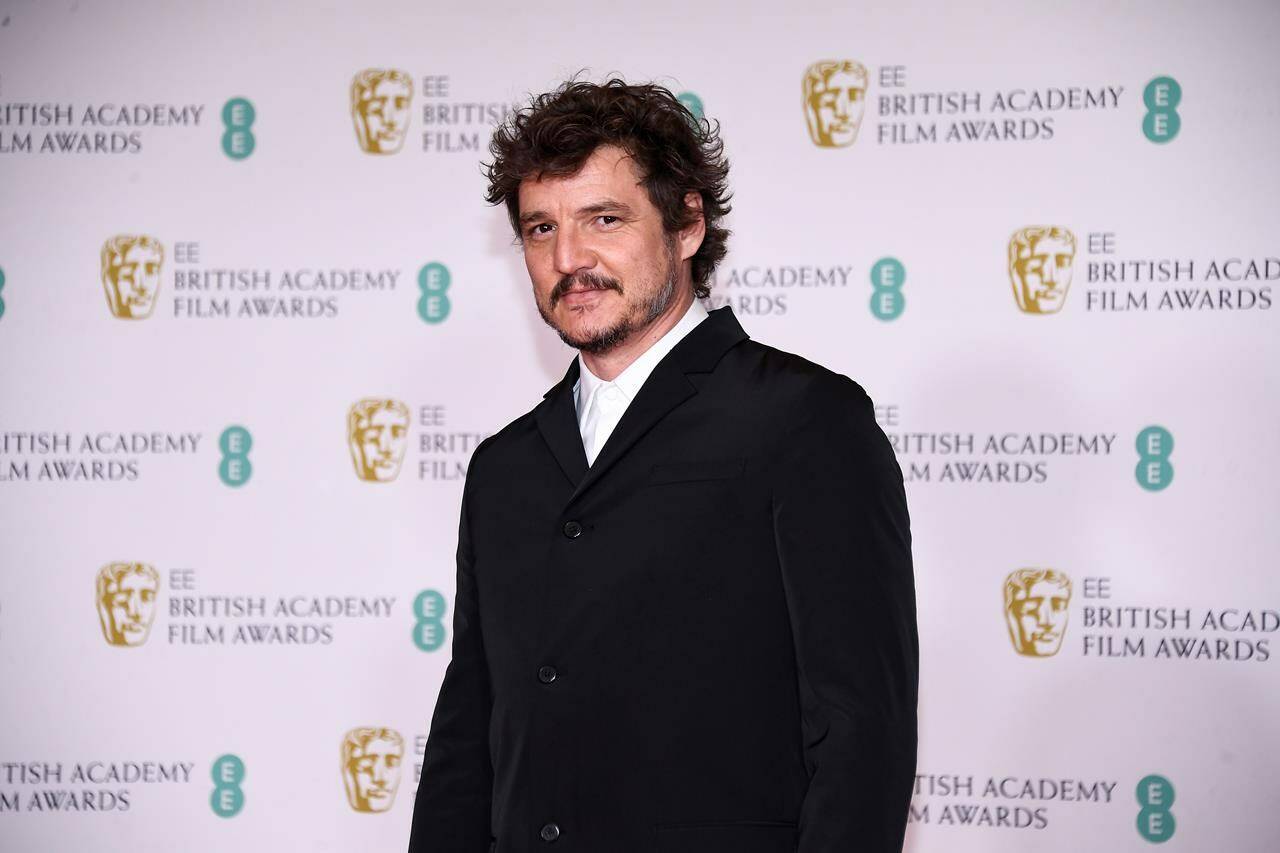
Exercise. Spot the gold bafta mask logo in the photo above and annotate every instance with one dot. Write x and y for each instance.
(131, 274)
(126, 599)
(1036, 608)
(835, 97)
(371, 760)
(377, 432)
(380, 99)
(1040, 262)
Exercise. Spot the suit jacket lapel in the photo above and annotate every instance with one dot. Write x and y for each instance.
(667, 387)
(557, 420)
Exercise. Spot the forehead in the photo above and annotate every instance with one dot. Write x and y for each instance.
(840, 79)
(1046, 589)
(133, 580)
(388, 86)
(1049, 246)
(380, 746)
(137, 252)
(610, 172)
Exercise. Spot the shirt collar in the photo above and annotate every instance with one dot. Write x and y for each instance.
(633, 376)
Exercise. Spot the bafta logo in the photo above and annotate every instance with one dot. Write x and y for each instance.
(126, 602)
(835, 96)
(1035, 608)
(371, 768)
(131, 274)
(380, 99)
(377, 432)
(1040, 263)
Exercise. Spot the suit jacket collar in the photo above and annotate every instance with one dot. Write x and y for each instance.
(667, 387)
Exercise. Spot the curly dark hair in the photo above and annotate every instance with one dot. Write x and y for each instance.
(676, 152)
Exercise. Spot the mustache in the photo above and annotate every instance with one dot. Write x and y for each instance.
(583, 281)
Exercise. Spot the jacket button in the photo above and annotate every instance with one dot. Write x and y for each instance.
(549, 832)
(547, 674)
(572, 529)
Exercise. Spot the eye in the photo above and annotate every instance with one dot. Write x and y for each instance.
(606, 219)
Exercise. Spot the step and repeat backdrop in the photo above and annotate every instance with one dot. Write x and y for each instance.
(255, 317)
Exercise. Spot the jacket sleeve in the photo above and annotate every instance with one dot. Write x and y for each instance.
(844, 547)
(451, 813)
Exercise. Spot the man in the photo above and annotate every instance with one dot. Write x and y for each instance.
(126, 602)
(371, 760)
(1036, 610)
(380, 99)
(685, 613)
(1040, 263)
(131, 274)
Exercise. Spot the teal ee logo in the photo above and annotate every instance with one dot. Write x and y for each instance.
(1, 289)
(238, 115)
(692, 103)
(887, 277)
(1155, 821)
(1154, 445)
(227, 799)
(433, 304)
(235, 469)
(428, 620)
(1162, 122)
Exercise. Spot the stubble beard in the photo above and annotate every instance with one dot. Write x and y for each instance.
(638, 316)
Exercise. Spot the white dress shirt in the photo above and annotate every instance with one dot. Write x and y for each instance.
(600, 404)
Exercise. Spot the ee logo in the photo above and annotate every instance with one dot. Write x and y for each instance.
(1, 294)
(692, 103)
(1162, 122)
(428, 624)
(887, 277)
(1155, 821)
(235, 469)
(433, 304)
(1154, 472)
(238, 115)
(227, 799)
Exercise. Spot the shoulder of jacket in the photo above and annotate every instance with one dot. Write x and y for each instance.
(797, 380)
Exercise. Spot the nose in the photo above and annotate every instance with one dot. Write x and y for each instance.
(842, 104)
(384, 442)
(131, 607)
(1050, 272)
(571, 252)
(379, 773)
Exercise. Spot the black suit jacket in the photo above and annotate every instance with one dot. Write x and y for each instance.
(706, 641)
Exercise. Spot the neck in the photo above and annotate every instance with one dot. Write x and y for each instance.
(607, 365)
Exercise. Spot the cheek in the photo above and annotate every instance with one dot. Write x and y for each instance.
(539, 269)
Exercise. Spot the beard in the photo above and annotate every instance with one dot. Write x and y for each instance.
(637, 316)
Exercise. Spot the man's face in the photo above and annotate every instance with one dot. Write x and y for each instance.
(136, 279)
(601, 264)
(1039, 617)
(382, 441)
(835, 106)
(376, 774)
(385, 111)
(1043, 274)
(131, 607)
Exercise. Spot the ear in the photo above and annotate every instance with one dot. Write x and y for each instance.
(691, 235)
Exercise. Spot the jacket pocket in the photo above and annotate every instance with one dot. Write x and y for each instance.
(696, 469)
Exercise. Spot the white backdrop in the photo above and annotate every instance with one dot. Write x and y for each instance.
(288, 601)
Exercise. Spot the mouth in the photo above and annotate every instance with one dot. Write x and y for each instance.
(582, 296)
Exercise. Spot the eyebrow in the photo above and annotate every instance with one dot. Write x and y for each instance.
(607, 205)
